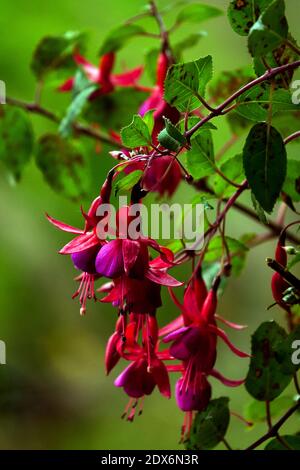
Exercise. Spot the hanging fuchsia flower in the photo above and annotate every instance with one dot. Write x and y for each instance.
(194, 342)
(146, 370)
(103, 76)
(85, 247)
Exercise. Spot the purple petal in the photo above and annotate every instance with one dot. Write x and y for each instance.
(109, 261)
(195, 397)
(85, 260)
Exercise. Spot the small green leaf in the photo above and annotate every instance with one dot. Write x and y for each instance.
(210, 426)
(258, 209)
(187, 43)
(242, 14)
(127, 183)
(209, 273)
(148, 119)
(74, 110)
(292, 181)
(170, 137)
(269, 31)
(16, 139)
(63, 165)
(293, 443)
(255, 103)
(270, 369)
(192, 120)
(136, 134)
(185, 82)
(265, 161)
(255, 411)
(200, 159)
(119, 36)
(54, 52)
(236, 248)
(196, 13)
(232, 167)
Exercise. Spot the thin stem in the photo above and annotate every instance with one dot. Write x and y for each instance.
(268, 415)
(79, 128)
(292, 46)
(205, 103)
(272, 226)
(273, 432)
(229, 181)
(296, 383)
(292, 137)
(222, 107)
(164, 35)
(230, 202)
(226, 444)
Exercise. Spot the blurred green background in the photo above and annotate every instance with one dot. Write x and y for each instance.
(53, 391)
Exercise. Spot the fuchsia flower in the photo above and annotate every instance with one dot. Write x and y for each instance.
(146, 370)
(103, 76)
(194, 343)
(156, 99)
(85, 247)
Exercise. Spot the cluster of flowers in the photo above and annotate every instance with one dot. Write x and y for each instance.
(135, 280)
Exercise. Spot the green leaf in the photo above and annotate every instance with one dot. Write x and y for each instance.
(271, 368)
(209, 273)
(54, 52)
(113, 110)
(255, 103)
(148, 119)
(16, 139)
(136, 134)
(74, 110)
(192, 120)
(118, 37)
(127, 183)
(292, 441)
(269, 31)
(265, 161)
(187, 43)
(196, 13)
(232, 167)
(258, 209)
(170, 137)
(282, 55)
(200, 159)
(185, 82)
(63, 165)
(236, 248)
(242, 14)
(292, 181)
(255, 411)
(210, 426)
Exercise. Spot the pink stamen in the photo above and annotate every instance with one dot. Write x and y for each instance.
(86, 290)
